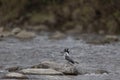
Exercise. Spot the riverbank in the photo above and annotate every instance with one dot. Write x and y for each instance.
(82, 16)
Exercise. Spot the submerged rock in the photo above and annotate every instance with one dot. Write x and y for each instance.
(14, 75)
(41, 71)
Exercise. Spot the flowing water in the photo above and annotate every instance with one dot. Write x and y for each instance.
(14, 52)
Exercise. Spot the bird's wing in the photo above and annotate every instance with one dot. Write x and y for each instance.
(69, 59)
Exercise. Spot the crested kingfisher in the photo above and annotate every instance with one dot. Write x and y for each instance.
(68, 57)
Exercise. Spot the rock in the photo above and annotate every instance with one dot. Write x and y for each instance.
(64, 68)
(69, 70)
(85, 69)
(15, 31)
(57, 35)
(5, 34)
(111, 38)
(53, 65)
(41, 71)
(25, 34)
(14, 75)
(13, 69)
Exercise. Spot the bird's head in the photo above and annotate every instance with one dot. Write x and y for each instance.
(66, 50)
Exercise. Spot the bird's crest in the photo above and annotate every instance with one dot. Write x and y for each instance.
(66, 50)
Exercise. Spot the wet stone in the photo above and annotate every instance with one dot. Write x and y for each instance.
(15, 75)
(41, 71)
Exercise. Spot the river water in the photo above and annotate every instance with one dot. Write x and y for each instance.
(15, 52)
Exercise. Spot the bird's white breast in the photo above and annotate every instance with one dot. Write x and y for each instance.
(66, 54)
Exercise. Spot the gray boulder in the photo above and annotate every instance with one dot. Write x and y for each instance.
(64, 68)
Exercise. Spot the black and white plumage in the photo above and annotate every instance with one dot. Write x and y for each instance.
(68, 57)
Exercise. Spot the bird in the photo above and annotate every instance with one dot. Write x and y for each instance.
(68, 57)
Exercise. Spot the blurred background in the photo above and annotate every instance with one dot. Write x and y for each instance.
(66, 16)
